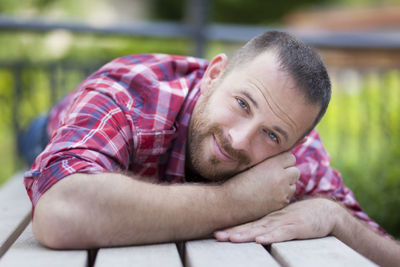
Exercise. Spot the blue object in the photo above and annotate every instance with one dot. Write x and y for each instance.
(34, 139)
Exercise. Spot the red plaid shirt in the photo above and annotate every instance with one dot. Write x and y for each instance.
(132, 115)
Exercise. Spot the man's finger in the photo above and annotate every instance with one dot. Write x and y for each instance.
(294, 174)
(260, 229)
(248, 232)
(224, 235)
(291, 192)
(288, 159)
(221, 236)
(281, 234)
(248, 235)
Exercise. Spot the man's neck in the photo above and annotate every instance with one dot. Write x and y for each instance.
(193, 177)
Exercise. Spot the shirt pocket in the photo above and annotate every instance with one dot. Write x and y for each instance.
(152, 144)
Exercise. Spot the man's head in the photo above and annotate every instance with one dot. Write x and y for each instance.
(295, 58)
(262, 102)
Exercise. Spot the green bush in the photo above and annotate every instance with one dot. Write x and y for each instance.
(361, 130)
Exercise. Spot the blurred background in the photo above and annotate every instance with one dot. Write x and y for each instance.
(47, 47)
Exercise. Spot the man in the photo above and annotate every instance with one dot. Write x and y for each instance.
(156, 148)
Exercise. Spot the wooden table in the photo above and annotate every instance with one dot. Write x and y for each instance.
(18, 247)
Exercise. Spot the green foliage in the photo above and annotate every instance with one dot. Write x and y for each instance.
(51, 8)
(37, 47)
(256, 12)
(7, 166)
(361, 130)
(234, 11)
(174, 12)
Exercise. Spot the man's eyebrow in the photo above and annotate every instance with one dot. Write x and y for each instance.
(246, 94)
(281, 131)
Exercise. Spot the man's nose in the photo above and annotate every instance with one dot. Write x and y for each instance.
(240, 138)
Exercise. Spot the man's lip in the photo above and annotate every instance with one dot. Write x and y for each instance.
(220, 153)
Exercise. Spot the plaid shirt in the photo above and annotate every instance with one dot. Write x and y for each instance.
(132, 115)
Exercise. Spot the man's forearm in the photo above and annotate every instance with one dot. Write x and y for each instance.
(96, 210)
(354, 233)
(110, 209)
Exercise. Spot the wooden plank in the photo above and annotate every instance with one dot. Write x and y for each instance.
(26, 251)
(210, 253)
(15, 209)
(327, 251)
(165, 255)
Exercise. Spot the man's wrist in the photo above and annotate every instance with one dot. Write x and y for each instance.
(342, 220)
(235, 205)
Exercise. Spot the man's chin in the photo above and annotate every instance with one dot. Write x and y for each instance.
(215, 177)
(214, 172)
(223, 177)
(207, 177)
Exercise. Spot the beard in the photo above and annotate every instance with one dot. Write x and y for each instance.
(209, 167)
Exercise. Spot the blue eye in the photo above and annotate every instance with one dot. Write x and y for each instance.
(242, 104)
(273, 137)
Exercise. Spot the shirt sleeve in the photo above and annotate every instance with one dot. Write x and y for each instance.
(94, 136)
(318, 178)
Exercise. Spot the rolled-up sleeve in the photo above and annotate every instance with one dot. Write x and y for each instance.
(94, 136)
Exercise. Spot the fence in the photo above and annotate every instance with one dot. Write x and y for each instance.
(361, 129)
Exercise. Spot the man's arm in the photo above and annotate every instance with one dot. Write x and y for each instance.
(313, 218)
(109, 209)
(353, 232)
(86, 210)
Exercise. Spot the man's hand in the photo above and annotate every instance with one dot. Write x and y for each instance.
(264, 188)
(314, 218)
(300, 220)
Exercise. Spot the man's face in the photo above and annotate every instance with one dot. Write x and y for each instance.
(250, 114)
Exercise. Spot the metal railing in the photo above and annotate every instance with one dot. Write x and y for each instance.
(200, 32)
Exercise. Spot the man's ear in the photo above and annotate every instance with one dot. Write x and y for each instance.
(214, 71)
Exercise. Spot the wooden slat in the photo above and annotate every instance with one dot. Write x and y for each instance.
(327, 251)
(210, 253)
(15, 209)
(165, 255)
(26, 251)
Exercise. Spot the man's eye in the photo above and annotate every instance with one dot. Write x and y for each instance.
(242, 104)
(273, 137)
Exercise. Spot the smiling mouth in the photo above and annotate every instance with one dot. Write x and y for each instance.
(220, 153)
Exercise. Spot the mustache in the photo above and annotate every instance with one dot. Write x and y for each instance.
(238, 155)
